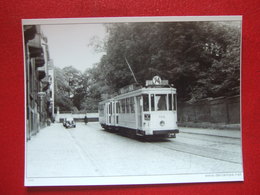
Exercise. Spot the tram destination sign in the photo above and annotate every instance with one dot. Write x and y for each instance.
(156, 81)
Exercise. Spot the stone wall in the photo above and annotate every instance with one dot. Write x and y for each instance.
(224, 110)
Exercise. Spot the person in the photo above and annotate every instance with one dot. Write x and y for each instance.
(48, 122)
(86, 119)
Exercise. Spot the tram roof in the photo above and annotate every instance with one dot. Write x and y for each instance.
(155, 90)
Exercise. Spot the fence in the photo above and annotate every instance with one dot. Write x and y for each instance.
(224, 110)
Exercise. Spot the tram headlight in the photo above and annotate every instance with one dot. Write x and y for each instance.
(162, 123)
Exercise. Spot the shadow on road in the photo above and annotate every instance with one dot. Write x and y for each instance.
(133, 136)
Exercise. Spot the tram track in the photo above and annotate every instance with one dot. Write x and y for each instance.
(205, 134)
(206, 150)
(201, 151)
(212, 138)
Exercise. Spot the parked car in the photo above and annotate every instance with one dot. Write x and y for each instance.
(69, 123)
(64, 122)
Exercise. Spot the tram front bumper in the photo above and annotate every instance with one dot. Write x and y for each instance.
(169, 133)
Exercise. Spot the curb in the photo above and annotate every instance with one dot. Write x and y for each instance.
(217, 126)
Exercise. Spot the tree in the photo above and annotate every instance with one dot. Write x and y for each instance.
(76, 82)
(70, 89)
(62, 91)
(202, 59)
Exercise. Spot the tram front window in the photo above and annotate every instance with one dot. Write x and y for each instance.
(170, 101)
(152, 102)
(161, 101)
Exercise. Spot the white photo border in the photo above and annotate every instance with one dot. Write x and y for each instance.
(130, 180)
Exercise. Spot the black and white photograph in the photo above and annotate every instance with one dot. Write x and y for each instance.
(132, 100)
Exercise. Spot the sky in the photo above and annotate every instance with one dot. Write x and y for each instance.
(69, 44)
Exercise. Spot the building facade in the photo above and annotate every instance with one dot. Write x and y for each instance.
(39, 80)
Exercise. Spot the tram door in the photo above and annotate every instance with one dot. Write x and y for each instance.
(113, 113)
(139, 112)
(109, 113)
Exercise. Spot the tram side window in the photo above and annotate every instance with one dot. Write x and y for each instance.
(123, 105)
(132, 104)
(161, 101)
(120, 106)
(127, 106)
(117, 107)
(110, 108)
(146, 102)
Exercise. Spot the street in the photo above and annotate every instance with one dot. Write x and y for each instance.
(88, 150)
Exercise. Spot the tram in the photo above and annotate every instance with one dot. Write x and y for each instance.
(144, 111)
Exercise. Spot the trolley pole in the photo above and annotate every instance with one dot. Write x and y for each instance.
(131, 70)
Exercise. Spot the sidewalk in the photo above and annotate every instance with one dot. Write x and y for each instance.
(231, 133)
(53, 152)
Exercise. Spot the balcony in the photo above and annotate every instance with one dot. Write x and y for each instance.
(41, 72)
(39, 61)
(45, 86)
(35, 52)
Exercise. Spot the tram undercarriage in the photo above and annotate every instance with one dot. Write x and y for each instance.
(141, 133)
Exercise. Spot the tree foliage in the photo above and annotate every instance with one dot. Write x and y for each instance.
(202, 59)
(62, 91)
(77, 91)
(70, 88)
